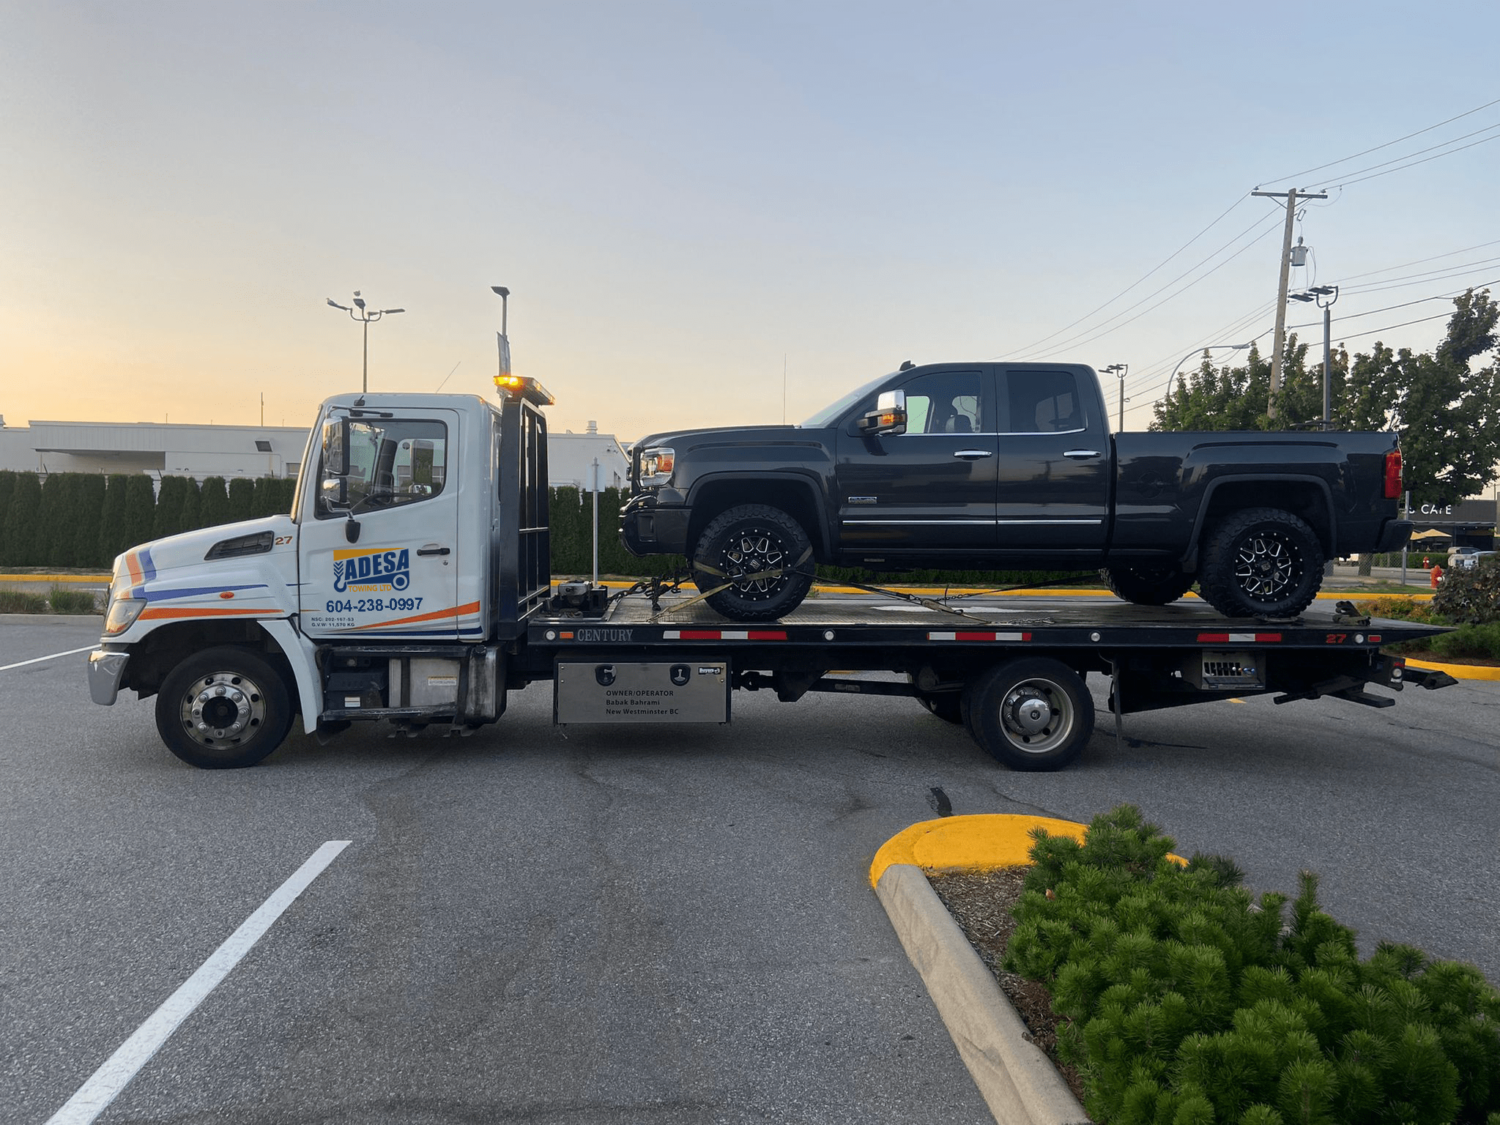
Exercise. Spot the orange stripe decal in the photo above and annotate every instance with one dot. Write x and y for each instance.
(437, 614)
(215, 611)
(133, 565)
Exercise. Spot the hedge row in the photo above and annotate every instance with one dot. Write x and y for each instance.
(86, 519)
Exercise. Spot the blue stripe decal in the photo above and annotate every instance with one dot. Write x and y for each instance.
(147, 566)
(195, 592)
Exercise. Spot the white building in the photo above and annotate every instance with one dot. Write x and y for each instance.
(163, 449)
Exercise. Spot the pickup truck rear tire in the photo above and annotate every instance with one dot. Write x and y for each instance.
(747, 540)
(1147, 585)
(1032, 714)
(1261, 562)
(223, 709)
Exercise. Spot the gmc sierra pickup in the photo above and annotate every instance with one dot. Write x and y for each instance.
(1009, 466)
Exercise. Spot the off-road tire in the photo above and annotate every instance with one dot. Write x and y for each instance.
(743, 540)
(204, 697)
(1261, 562)
(1147, 585)
(1033, 713)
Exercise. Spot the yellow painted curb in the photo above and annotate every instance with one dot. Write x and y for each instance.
(1460, 671)
(978, 842)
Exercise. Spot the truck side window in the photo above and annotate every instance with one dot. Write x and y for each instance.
(944, 402)
(391, 463)
(1043, 402)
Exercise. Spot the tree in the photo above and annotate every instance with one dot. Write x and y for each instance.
(113, 538)
(21, 522)
(213, 503)
(1447, 413)
(187, 518)
(140, 510)
(1236, 398)
(89, 505)
(241, 499)
(168, 513)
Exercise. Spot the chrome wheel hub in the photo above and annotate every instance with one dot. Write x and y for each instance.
(1037, 715)
(222, 709)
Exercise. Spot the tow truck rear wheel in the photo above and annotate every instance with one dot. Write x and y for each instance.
(1147, 585)
(1033, 714)
(223, 709)
(762, 558)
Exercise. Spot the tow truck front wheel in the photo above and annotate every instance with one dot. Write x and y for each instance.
(754, 562)
(1033, 714)
(223, 709)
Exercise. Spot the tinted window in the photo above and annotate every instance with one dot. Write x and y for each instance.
(393, 462)
(1043, 402)
(945, 402)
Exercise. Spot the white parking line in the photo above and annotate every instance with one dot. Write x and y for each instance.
(39, 659)
(96, 1094)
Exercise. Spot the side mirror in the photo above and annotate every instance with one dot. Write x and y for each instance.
(334, 493)
(888, 417)
(335, 448)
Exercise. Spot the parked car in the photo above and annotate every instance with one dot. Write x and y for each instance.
(1467, 558)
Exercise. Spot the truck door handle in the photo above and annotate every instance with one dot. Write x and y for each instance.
(1081, 453)
(974, 453)
(433, 549)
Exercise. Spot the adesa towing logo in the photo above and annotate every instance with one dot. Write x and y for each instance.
(371, 570)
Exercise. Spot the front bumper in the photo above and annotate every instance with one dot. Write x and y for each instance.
(106, 670)
(1393, 535)
(648, 529)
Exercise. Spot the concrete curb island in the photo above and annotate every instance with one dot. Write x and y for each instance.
(1015, 1077)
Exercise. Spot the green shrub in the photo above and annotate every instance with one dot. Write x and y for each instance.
(72, 601)
(1186, 1001)
(1472, 641)
(20, 601)
(1470, 594)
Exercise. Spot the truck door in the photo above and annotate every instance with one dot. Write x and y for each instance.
(379, 557)
(934, 485)
(1053, 488)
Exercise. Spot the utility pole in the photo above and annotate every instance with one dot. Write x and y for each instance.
(1119, 369)
(1286, 260)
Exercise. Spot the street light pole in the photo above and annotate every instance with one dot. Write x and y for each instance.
(1317, 293)
(1286, 260)
(366, 316)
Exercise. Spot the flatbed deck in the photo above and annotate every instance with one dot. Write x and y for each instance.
(987, 620)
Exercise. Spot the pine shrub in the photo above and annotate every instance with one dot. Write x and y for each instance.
(213, 503)
(114, 535)
(21, 527)
(1186, 1000)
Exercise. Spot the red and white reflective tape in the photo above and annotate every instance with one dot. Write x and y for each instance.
(1238, 638)
(986, 636)
(723, 634)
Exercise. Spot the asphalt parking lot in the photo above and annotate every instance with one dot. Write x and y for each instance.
(646, 925)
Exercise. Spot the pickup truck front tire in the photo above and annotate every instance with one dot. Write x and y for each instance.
(762, 559)
(1261, 562)
(1147, 585)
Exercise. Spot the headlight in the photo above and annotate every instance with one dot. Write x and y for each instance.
(656, 466)
(122, 615)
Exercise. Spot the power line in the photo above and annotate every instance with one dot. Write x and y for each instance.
(1420, 261)
(1095, 333)
(1377, 148)
(1132, 285)
(1424, 160)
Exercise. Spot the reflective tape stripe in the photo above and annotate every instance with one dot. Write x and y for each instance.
(985, 636)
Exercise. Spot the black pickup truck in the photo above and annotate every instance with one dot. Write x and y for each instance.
(1004, 466)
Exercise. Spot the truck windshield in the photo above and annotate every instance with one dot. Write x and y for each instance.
(830, 413)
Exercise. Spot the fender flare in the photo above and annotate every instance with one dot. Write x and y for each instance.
(804, 480)
(1190, 556)
(301, 654)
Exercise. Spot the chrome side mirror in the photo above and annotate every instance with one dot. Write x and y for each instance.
(888, 417)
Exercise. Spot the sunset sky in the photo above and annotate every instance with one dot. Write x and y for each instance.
(710, 213)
